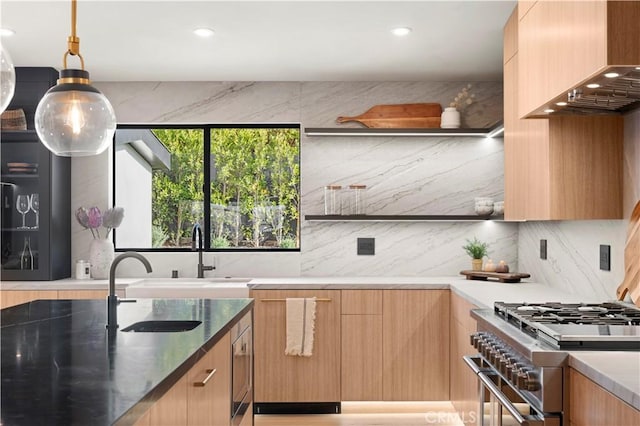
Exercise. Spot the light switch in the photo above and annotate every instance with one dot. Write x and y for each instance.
(366, 246)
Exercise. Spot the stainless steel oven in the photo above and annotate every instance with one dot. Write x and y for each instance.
(501, 403)
(521, 360)
(242, 371)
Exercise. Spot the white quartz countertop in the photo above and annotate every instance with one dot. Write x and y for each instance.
(480, 293)
(617, 372)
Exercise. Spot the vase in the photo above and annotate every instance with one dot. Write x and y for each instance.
(476, 264)
(101, 254)
(450, 118)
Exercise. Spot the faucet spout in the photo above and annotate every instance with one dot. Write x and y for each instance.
(196, 232)
(112, 298)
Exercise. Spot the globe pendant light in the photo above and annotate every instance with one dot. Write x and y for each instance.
(73, 118)
(7, 79)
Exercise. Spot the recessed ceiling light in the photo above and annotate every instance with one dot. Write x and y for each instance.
(401, 31)
(6, 32)
(549, 110)
(203, 32)
(612, 75)
(593, 85)
(561, 103)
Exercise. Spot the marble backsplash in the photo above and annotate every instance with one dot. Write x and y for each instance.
(410, 175)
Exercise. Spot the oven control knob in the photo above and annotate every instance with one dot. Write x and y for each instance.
(531, 382)
(476, 338)
(514, 371)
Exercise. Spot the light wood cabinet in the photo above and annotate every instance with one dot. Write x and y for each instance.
(463, 383)
(208, 384)
(562, 168)
(362, 341)
(591, 405)
(202, 397)
(16, 297)
(282, 378)
(563, 44)
(415, 328)
(171, 408)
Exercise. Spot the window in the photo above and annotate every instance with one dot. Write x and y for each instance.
(251, 174)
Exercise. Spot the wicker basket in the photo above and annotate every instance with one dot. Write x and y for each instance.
(13, 119)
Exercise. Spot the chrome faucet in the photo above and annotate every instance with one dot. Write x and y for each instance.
(197, 231)
(112, 298)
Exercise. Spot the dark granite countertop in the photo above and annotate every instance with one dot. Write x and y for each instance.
(60, 366)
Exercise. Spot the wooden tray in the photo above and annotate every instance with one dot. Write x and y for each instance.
(509, 277)
(413, 116)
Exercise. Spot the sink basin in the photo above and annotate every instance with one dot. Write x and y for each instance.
(211, 288)
(162, 326)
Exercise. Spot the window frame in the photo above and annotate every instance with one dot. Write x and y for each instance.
(206, 228)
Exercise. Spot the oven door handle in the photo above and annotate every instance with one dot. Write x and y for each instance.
(504, 401)
(472, 363)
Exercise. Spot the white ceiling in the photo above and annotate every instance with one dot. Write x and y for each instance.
(263, 40)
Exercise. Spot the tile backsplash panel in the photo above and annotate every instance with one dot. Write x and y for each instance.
(414, 175)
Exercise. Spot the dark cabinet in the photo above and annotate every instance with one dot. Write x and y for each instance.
(36, 193)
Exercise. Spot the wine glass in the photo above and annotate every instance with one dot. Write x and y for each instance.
(23, 204)
(35, 206)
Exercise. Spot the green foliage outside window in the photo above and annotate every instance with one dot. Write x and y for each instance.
(254, 190)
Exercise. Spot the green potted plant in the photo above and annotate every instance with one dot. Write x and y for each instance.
(477, 250)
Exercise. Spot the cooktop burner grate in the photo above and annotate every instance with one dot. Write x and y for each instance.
(527, 315)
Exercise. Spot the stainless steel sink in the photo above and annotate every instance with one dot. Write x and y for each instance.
(162, 326)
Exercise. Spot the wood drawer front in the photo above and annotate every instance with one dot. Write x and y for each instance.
(361, 302)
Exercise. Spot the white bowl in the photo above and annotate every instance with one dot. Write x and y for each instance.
(484, 210)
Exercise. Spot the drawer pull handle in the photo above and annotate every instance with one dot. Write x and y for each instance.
(206, 379)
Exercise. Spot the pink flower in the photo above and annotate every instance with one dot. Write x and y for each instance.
(82, 217)
(95, 218)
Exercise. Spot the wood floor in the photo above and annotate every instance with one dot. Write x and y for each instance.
(440, 413)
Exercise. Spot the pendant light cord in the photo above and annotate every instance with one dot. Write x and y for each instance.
(73, 42)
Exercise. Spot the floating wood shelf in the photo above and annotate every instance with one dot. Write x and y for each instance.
(401, 218)
(491, 132)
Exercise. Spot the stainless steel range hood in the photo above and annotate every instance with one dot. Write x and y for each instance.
(613, 91)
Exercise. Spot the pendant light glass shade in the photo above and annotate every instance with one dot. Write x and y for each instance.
(7, 79)
(74, 119)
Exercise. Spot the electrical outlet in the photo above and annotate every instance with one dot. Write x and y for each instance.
(605, 257)
(543, 249)
(366, 246)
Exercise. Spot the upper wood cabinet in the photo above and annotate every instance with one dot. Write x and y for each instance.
(564, 44)
(561, 168)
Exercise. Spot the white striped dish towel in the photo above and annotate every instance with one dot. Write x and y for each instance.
(301, 317)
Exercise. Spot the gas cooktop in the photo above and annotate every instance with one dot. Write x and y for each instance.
(609, 325)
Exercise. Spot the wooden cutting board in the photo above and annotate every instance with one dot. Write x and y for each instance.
(631, 282)
(508, 277)
(407, 116)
